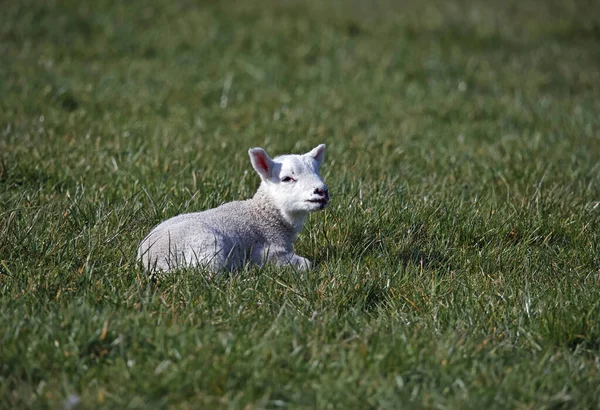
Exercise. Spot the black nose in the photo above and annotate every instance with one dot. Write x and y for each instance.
(322, 192)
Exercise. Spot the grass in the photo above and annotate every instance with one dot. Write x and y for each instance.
(458, 265)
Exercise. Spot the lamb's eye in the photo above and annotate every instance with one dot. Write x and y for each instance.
(287, 179)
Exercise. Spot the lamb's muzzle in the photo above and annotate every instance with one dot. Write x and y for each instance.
(323, 197)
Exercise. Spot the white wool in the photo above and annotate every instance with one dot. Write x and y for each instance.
(258, 230)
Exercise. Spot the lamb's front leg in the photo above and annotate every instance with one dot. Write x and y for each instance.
(283, 257)
(299, 262)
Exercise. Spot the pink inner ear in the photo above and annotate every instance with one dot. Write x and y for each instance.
(262, 162)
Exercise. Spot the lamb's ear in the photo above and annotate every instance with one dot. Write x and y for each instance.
(318, 153)
(261, 162)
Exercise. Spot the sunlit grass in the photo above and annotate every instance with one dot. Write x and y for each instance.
(458, 265)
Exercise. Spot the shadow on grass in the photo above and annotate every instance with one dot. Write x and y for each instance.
(575, 332)
(366, 297)
(391, 246)
(427, 259)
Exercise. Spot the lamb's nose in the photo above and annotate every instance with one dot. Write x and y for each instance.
(324, 192)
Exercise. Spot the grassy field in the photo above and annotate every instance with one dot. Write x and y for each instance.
(458, 265)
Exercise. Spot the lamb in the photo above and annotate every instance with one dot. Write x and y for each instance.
(258, 230)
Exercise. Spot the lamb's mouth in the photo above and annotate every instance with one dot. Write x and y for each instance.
(321, 201)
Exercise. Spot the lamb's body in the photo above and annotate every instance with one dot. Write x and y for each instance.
(229, 236)
(255, 231)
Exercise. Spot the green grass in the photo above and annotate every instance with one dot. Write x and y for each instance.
(458, 265)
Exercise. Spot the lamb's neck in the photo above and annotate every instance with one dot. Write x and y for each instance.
(291, 223)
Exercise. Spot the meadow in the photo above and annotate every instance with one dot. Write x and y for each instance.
(457, 265)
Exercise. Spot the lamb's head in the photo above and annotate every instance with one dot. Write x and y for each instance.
(292, 181)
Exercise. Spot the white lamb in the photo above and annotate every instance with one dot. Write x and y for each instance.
(255, 231)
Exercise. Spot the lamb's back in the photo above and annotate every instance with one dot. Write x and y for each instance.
(236, 220)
